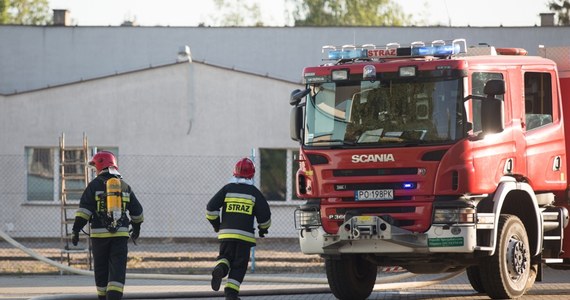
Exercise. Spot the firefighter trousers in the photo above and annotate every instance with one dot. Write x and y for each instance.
(110, 266)
(234, 257)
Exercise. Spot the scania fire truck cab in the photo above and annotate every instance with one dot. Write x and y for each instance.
(434, 157)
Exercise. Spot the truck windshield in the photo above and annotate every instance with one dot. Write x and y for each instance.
(390, 113)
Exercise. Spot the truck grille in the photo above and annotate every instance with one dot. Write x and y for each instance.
(375, 186)
(375, 172)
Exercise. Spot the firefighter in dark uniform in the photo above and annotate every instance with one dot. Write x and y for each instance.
(238, 203)
(105, 203)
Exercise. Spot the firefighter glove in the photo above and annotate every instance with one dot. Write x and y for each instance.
(75, 238)
(135, 230)
(262, 231)
(216, 227)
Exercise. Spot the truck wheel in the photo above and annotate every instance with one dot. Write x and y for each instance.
(509, 273)
(351, 277)
(474, 276)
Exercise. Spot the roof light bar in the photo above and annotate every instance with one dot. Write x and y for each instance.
(438, 48)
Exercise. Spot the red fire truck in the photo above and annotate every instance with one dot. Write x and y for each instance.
(435, 157)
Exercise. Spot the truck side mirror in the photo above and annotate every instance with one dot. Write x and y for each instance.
(296, 123)
(297, 95)
(492, 108)
(492, 116)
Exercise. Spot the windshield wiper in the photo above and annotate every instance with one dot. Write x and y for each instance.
(343, 142)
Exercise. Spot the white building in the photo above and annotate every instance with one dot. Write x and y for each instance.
(177, 126)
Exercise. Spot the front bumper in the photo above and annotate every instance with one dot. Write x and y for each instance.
(372, 234)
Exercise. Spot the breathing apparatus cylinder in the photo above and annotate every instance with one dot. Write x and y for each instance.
(114, 199)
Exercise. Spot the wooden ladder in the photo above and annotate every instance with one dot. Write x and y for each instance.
(74, 177)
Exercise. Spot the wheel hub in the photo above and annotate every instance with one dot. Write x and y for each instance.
(516, 257)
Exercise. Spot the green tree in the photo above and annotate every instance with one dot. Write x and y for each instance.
(350, 13)
(25, 12)
(562, 10)
(238, 13)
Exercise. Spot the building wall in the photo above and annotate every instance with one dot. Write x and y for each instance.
(179, 130)
(48, 56)
(180, 109)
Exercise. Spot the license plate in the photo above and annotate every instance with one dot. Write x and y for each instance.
(365, 195)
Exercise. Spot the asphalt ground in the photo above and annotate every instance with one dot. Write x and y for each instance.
(555, 285)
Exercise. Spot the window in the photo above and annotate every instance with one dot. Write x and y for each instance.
(40, 179)
(385, 113)
(43, 173)
(277, 174)
(538, 99)
(479, 79)
(293, 162)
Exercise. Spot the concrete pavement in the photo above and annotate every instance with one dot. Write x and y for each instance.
(555, 286)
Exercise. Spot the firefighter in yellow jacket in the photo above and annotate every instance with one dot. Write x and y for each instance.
(105, 203)
(238, 204)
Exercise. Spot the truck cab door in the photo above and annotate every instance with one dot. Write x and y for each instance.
(494, 151)
(543, 131)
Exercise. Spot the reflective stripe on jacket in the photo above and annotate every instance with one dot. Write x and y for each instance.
(88, 208)
(239, 205)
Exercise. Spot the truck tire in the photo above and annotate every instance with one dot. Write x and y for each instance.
(351, 277)
(509, 273)
(474, 276)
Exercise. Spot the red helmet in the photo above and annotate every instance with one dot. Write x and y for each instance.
(244, 168)
(102, 160)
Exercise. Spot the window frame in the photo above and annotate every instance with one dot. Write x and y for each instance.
(289, 173)
(476, 113)
(538, 117)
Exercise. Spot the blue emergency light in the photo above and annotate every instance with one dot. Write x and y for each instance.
(348, 54)
(437, 48)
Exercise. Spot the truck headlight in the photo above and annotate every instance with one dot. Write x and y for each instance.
(453, 215)
(307, 218)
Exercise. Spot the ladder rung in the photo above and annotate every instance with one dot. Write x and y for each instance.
(67, 163)
(71, 202)
(73, 165)
(75, 250)
(73, 159)
(73, 176)
(70, 205)
(72, 148)
(73, 191)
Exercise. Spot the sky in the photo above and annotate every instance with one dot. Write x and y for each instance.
(274, 12)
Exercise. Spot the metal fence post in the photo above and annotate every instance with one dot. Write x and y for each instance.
(253, 248)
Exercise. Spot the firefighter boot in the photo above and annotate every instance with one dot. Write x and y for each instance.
(114, 295)
(231, 294)
(217, 275)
